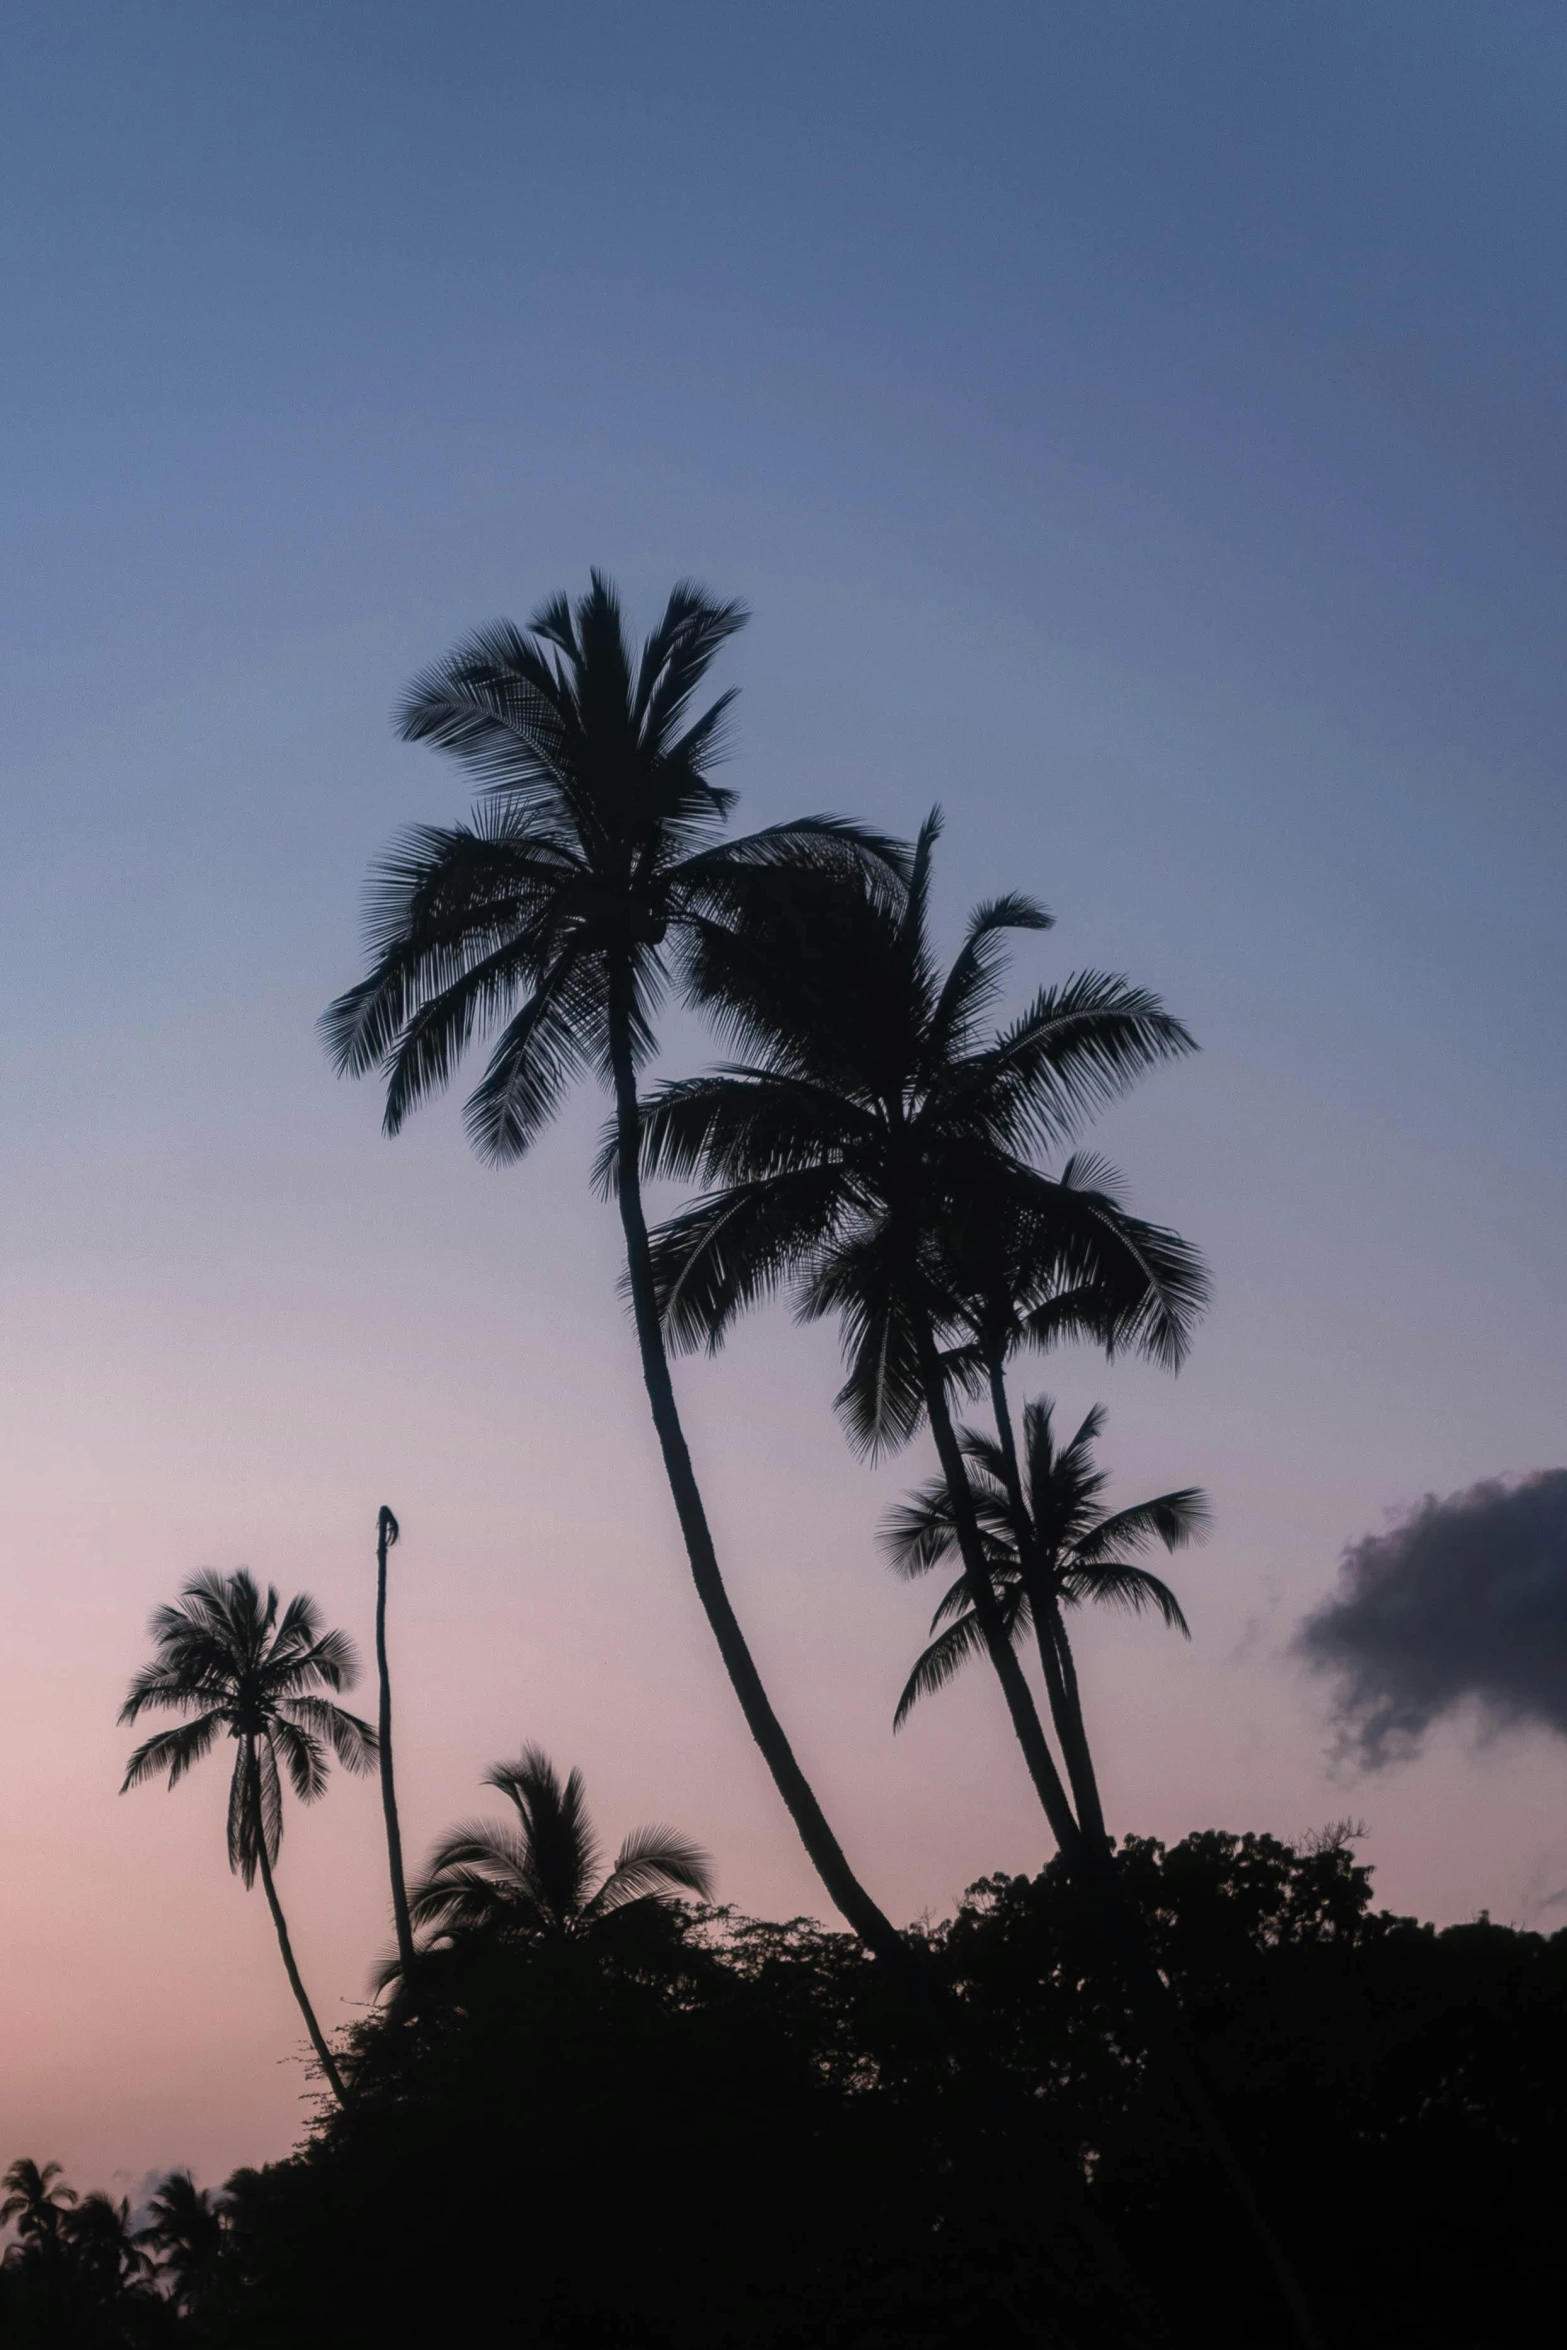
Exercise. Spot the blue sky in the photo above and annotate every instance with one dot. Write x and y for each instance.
(1137, 428)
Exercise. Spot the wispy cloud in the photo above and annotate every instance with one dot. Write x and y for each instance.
(1465, 1601)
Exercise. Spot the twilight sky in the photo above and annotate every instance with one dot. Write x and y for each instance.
(1138, 428)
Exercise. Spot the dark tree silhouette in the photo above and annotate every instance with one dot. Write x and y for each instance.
(185, 2231)
(37, 2199)
(104, 2252)
(542, 1879)
(386, 1533)
(591, 874)
(1050, 1547)
(873, 1128)
(226, 1659)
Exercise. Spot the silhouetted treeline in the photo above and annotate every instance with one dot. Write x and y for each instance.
(706, 2130)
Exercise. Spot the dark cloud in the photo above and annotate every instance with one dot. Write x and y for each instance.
(1466, 1600)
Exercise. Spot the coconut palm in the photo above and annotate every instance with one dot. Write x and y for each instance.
(36, 2200)
(873, 1121)
(185, 2230)
(1064, 1551)
(229, 1660)
(104, 2254)
(872, 1136)
(590, 873)
(386, 1533)
(541, 1879)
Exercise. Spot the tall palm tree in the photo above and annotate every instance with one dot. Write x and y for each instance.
(542, 1879)
(873, 1117)
(873, 1127)
(386, 1533)
(1063, 1551)
(36, 2200)
(592, 870)
(185, 2230)
(226, 1658)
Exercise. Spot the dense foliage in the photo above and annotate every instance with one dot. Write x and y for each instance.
(710, 2131)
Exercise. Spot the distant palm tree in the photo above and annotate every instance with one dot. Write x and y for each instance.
(105, 2256)
(226, 1658)
(387, 1531)
(590, 874)
(185, 2230)
(1063, 1551)
(542, 1879)
(872, 1121)
(36, 2200)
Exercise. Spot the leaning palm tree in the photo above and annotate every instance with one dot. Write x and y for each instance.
(37, 2199)
(226, 1658)
(185, 2231)
(874, 1118)
(592, 870)
(541, 1879)
(1063, 1551)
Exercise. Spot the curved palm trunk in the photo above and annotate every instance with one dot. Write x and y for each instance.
(386, 1535)
(1093, 1863)
(827, 1856)
(317, 2037)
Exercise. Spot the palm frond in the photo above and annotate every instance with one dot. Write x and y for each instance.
(173, 1751)
(654, 1860)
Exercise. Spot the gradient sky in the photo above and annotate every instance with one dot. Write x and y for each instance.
(1138, 428)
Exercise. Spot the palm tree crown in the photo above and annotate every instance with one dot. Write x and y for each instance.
(593, 852)
(1079, 1552)
(226, 1658)
(36, 2200)
(185, 2228)
(540, 1879)
(874, 1123)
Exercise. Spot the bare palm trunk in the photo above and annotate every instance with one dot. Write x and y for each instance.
(317, 2037)
(826, 1854)
(1093, 1864)
(386, 1535)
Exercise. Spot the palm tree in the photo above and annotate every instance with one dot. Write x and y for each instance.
(186, 2231)
(105, 2255)
(541, 1880)
(386, 1533)
(858, 1155)
(36, 2200)
(227, 1659)
(1064, 1551)
(873, 1121)
(590, 874)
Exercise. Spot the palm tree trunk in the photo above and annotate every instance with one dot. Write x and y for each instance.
(976, 1572)
(1055, 1653)
(1093, 1864)
(386, 1535)
(317, 2037)
(826, 1854)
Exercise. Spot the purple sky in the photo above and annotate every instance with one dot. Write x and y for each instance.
(1137, 428)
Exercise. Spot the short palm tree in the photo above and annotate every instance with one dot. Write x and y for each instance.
(185, 2230)
(229, 1660)
(873, 1121)
(104, 2253)
(1065, 1551)
(36, 2200)
(541, 1879)
(592, 869)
